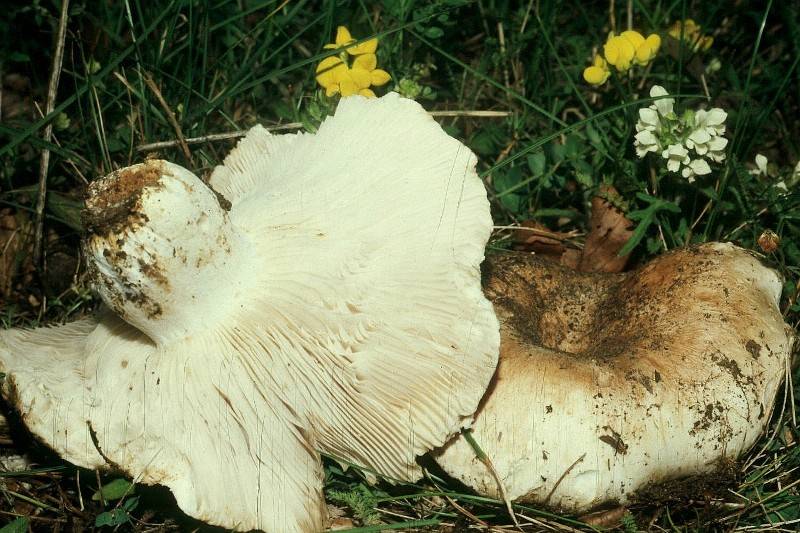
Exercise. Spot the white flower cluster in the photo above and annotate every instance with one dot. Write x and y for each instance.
(762, 170)
(660, 130)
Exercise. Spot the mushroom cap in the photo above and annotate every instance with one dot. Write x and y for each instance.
(608, 383)
(335, 307)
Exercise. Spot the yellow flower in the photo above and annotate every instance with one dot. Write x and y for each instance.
(619, 52)
(635, 38)
(692, 35)
(648, 49)
(336, 75)
(622, 51)
(330, 72)
(344, 38)
(689, 30)
(598, 73)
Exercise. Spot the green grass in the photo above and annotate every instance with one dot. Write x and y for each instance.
(224, 65)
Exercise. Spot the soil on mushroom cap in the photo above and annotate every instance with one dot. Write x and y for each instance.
(598, 316)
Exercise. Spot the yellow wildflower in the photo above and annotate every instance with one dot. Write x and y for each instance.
(330, 71)
(635, 38)
(619, 52)
(598, 73)
(337, 75)
(622, 52)
(692, 35)
(648, 49)
(343, 38)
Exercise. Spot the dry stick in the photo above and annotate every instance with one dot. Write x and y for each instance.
(44, 162)
(466, 512)
(458, 507)
(212, 138)
(630, 14)
(745, 223)
(482, 457)
(560, 479)
(612, 18)
(69, 159)
(501, 36)
(170, 116)
(297, 125)
(78, 487)
(526, 17)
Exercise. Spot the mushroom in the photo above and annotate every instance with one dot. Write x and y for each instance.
(610, 383)
(324, 296)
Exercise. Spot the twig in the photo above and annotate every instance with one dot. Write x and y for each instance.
(470, 113)
(78, 487)
(501, 37)
(483, 458)
(466, 512)
(563, 237)
(149, 147)
(745, 223)
(560, 479)
(68, 160)
(212, 138)
(170, 115)
(612, 18)
(630, 14)
(34, 517)
(30, 500)
(525, 18)
(100, 487)
(44, 162)
(458, 507)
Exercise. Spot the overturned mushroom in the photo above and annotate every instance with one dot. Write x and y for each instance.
(335, 306)
(608, 383)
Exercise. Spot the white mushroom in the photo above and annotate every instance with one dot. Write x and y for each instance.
(608, 383)
(336, 306)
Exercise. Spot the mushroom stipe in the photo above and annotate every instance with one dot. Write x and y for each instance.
(322, 293)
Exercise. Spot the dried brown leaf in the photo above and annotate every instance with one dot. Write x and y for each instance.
(554, 245)
(609, 230)
(605, 519)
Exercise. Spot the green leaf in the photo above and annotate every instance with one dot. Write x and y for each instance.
(593, 135)
(433, 32)
(583, 173)
(572, 147)
(20, 525)
(19, 57)
(646, 217)
(484, 142)
(636, 237)
(505, 184)
(552, 212)
(557, 152)
(117, 516)
(113, 517)
(114, 490)
(536, 163)
(66, 209)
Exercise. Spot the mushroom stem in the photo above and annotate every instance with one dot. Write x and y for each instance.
(160, 244)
